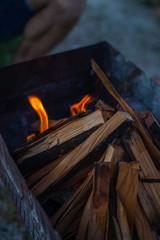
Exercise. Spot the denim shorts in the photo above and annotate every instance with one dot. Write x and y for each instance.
(13, 16)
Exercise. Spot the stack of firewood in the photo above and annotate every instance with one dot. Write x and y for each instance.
(112, 159)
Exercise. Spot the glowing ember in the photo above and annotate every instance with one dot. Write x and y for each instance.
(82, 105)
(37, 105)
(31, 136)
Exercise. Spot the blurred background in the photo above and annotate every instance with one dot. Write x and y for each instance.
(130, 26)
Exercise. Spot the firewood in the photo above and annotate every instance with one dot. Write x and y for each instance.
(154, 152)
(58, 142)
(153, 128)
(82, 232)
(113, 210)
(114, 155)
(149, 205)
(67, 218)
(127, 186)
(138, 149)
(39, 174)
(64, 219)
(72, 209)
(108, 111)
(122, 218)
(143, 228)
(97, 207)
(96, 143)
(103, 106)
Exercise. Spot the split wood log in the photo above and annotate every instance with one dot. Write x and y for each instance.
(114, 155)
(82, 232)
(113, 210)
(58, 142)
(148, 170)
(39, 174)
(153, 150)
(149, 205)
(64, 219)
(122, 218)
(143, 228)
(67, 218)
(96, 143)
(127, 187)
(153, 128)
(97, 207)
(108, 111)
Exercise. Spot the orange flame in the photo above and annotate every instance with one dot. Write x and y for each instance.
(31, 136)
(82, 105)
(38, 107)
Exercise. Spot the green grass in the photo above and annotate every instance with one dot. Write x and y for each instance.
(7, 49)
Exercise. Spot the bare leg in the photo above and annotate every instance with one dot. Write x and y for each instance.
(53, 20)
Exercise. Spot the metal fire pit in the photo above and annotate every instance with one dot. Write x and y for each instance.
(59, 80)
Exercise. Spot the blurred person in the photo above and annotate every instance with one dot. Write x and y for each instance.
(43, 23)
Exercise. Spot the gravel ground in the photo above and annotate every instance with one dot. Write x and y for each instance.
(130, 27)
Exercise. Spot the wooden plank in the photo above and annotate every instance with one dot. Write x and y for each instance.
(85, 152)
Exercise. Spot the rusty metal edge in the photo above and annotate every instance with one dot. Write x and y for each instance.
(30, 210)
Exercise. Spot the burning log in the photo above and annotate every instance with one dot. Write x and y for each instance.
(96, 143)
(58, 142)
